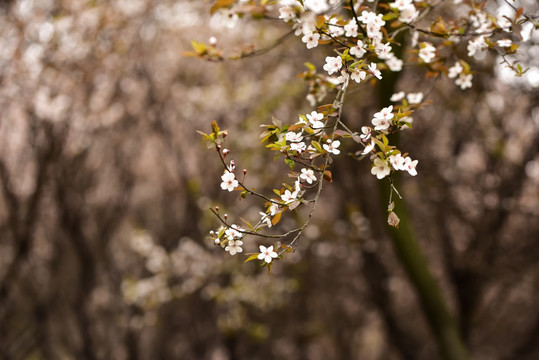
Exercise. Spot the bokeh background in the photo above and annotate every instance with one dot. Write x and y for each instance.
(105, 188)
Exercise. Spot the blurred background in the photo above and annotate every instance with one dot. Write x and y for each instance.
(105, 188)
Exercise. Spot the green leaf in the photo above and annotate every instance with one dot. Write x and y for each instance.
(265, 136)
(291, 163)
(219, 4)
(317, 146)
(215, 127)
(200, 48)
(252, 257)
(310, 66)
(246, 223)
(389, 16)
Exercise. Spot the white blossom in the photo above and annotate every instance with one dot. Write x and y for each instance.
(311, 39)
(368, 148)
(373, 22)
(287, 196)
(315, 119)
(308, 175)
(267, 254)
(274, 209)
(334, 28)
(294, 137)
(381, 168)
(358, 50)
(265, 219)
(298, 146)
(229, 181)
(464, 81)
(397, 162)
(234, 232)
(333, 64)
(287, 13)
(358, 75)
(377, 73)
(343, 78)
(427, 52)
(394, 64)
(408, 14)
(455, 70)
(366, 133)
(383, 50)
(382, 119)
(397, 96)
(504, 43)
(228, 18)
(234, 247)
(317, 6)
(401, 4)
(407, 119)
(415, 98)
(409, 165)
(351, 28)
(332, 146)
(476, 44)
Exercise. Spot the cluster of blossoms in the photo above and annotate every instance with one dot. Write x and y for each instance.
(464, 80)
(229, 238)
(362, 38)
(388, 158)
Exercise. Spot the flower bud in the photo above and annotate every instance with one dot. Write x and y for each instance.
(213, 41)
(225, 216)
(225, 152)
(244, 171)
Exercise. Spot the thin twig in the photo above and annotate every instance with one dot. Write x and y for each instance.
(295, 242)
(247, 232)
(354, 14)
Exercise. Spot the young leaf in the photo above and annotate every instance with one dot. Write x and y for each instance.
(393, 219)
(246, 223)
(291, 163)
(276, 218)
(327, 176)
(199, 47)
(294, 205)
(215, 127)
(317, 146)
(252, 257)
(310, 66)
(219, 4)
